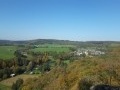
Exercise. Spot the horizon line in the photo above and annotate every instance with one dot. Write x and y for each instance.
(63, 40)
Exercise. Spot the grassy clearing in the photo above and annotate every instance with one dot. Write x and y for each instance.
(7, 52)
(54, 45)
(49, 49)
(8, 82)
(4, 87)
(52, 48)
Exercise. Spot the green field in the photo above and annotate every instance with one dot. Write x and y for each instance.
(48, 49)
(7, 52)
(3, 87)
(52, 47)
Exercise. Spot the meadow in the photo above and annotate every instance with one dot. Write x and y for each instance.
(52, 47)
(7, 52)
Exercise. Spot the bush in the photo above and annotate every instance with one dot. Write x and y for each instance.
(17, 85)
(5, 76)
(84, 84)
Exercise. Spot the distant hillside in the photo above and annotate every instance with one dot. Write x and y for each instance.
(5, 41)
(9, 42)
(37, 41)
(54, 41)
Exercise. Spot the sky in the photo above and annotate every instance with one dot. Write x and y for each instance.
(77, 20)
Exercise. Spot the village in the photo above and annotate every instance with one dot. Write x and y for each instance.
(88, 52)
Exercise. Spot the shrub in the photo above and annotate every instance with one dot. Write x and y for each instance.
(84, 84)
(17, 85)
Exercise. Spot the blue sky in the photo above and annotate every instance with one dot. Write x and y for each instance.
(79, 20)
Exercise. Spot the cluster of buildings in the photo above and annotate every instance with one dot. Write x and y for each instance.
(88, 52)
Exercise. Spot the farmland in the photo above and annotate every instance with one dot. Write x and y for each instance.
(52, 48)
(48, 49)
(54, 45)
(7, 52)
